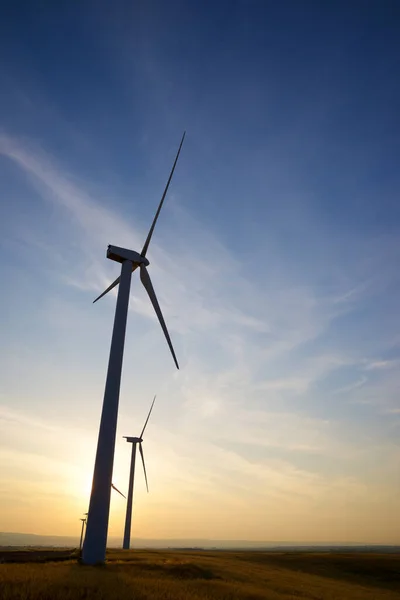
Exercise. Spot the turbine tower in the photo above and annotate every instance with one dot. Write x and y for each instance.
(94, 547)
(86, 514)
(134, 441)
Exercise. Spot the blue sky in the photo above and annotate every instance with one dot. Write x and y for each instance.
(275, 260)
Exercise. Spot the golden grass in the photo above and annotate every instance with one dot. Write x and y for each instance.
(191, 575)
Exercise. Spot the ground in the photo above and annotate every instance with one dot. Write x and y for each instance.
(201, 575)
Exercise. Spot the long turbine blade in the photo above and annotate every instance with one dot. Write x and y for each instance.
(147, 242)
(110, 287)
(148, 416)
(145, 279)
(117, 490)
(144, 466)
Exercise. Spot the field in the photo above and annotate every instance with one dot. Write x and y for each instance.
(201, 575)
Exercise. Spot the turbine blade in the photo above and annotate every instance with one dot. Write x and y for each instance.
(147, 242)
(145, 279)
(148, 416)
(110, 287)
(117, 490)
(144, 466)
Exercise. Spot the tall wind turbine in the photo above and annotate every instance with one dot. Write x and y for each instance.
(94, 548)
(134, 441)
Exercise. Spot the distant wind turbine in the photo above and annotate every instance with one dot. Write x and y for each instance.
(82, 530)
(134, 441)
(94, 547)
(83, 527)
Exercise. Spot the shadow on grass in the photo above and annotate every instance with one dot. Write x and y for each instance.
(175, 568)
(184, 571)
(372, 570)
(37, 556)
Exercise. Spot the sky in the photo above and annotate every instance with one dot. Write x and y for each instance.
(275, 261)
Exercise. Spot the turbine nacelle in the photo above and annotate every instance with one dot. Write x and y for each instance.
(133, 440)
(121, 254)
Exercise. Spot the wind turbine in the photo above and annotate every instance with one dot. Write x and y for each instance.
(94, 547)
(82, 530)
(134, 441)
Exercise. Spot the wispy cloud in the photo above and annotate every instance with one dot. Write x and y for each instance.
(351, 386)
(248, 344)
(381, 364)
(197, 295)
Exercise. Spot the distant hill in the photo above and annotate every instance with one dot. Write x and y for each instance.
(30, 539)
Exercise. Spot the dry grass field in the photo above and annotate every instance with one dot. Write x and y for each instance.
(202, 575)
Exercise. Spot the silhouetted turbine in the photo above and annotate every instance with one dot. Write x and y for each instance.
(94, 547)
(134, 441)
(82, 530)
